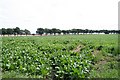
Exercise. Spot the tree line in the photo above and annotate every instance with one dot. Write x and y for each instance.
(14, 31)
(54, 31)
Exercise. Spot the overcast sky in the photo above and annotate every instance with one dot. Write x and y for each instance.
(61, 14)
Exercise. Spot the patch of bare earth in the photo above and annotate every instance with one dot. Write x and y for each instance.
(95, 52)
(104, 59)
(77, 49)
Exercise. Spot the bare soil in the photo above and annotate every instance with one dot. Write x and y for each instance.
(77, 49)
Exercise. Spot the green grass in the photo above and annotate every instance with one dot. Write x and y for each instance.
(106, 70)
(50, 57)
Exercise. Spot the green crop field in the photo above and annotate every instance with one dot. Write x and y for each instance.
(66, 57)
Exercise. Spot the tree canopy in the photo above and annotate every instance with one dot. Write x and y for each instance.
(14, 31)
(54, 31)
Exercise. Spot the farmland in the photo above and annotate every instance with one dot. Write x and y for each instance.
(60, 57)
